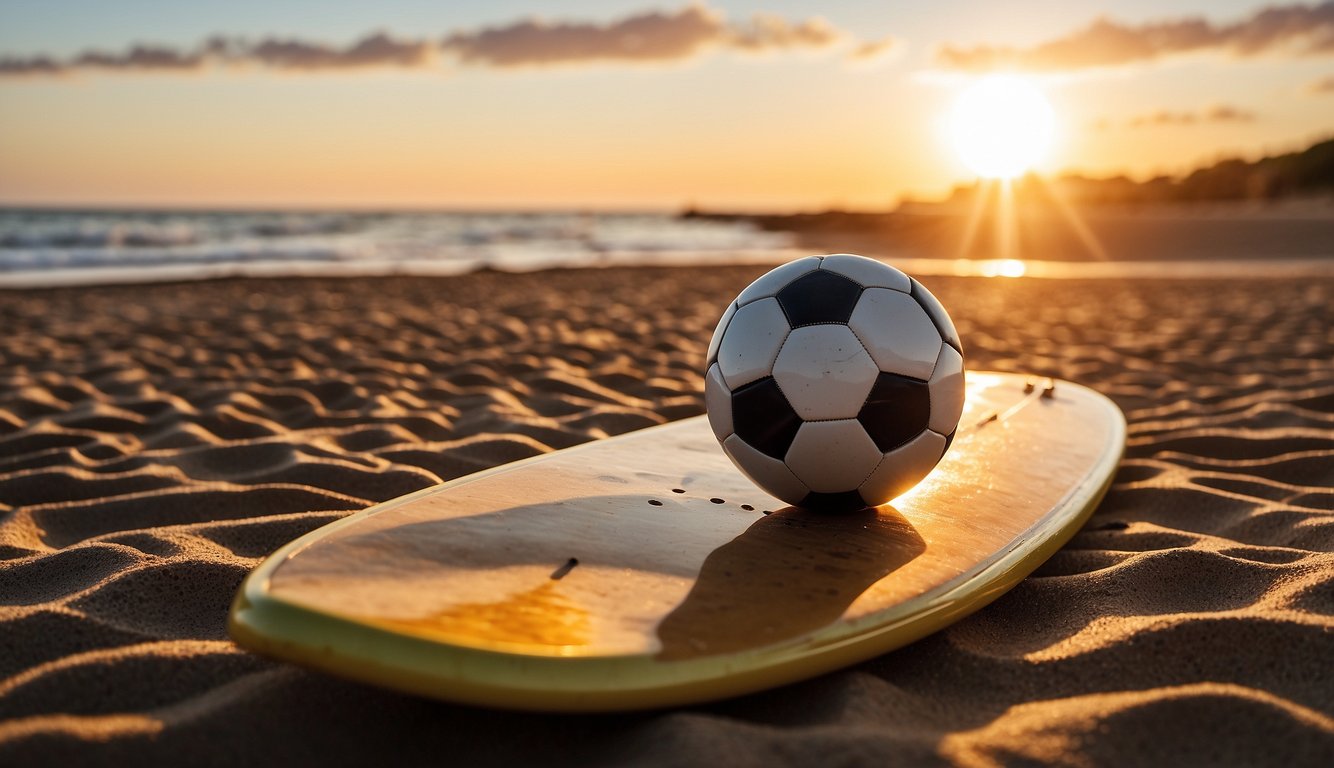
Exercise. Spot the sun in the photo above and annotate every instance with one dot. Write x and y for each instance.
(1001, 126)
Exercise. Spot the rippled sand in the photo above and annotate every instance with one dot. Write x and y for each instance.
(156, 442)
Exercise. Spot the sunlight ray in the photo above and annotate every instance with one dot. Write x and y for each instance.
(1007, 244)
(975, 218)
(1072, 217)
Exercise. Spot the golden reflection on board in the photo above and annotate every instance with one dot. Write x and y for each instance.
(539, 616)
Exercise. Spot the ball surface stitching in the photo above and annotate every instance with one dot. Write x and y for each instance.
(877, 367)
(919, 294)
(779, 384)
(768, 366)
(935, 364)
(862, 482)
(801, 403)
(776, 291)
(890, 268)
(859, 283)
(716, 340)
(848, 455)
(887, 308)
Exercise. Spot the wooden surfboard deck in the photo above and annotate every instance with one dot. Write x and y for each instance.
(645, 570)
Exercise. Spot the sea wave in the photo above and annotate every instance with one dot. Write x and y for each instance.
(62, 247)
(52, 248)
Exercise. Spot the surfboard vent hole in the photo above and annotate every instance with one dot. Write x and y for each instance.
(767, 512)
(560, 572)
(717, 500)
(655, 502)
(678, 490)
(748, 507)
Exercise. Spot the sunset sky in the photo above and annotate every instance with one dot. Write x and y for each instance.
(621, 103)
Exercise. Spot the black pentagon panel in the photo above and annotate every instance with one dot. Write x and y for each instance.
(949, 440)
(763, 418)
(897, 410)
(819, 297)
(847, 501)
(936, 311)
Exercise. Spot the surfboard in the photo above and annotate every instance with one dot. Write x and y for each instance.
(646, 571)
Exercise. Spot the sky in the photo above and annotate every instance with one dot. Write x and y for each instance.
(622, 104)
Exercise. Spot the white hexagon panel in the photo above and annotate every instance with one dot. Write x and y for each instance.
(938, 315)
(903, 467)
(897, 332)
(947, 391)
(868, 273)
(751, 342)
(768, 473)
(718, 332)
(832, 456)
(773, 281)
(824, 372)
(718, 402)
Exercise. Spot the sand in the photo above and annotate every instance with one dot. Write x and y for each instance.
(157, 442)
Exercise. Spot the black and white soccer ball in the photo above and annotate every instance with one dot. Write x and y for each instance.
(835, 382)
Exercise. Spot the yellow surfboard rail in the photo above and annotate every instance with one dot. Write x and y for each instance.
(552, 678)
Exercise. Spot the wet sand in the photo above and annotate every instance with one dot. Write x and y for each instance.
(156, 442)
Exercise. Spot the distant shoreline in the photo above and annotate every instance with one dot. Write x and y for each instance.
(1045, 231)
(1216, 240)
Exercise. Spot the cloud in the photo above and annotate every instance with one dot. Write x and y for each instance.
(140, 57)
(1322, 86)
(143, 58)
(375, 50)
(767, 32)
(1298, 29)
(1222, 113)
(34, 65)
(652, 36)
(648, 37)
(873, 50)
(1218, 113)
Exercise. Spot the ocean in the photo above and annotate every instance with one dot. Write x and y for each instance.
(47, 247)
(63, 247)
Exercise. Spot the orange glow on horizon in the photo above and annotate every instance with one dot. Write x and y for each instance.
(713, 135)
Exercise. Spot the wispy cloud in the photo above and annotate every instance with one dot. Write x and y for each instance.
(373, 50)
(652, 36)
(1324, 85)
(873, 50)
(1218, 113)
(1296, 29)
(144, 58)
(767, 32)
(648, 37)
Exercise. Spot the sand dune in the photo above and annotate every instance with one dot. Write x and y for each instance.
(157, 442)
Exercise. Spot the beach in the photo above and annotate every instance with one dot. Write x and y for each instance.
(158, 441)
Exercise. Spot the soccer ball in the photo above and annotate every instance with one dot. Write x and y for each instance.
(835, 382)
